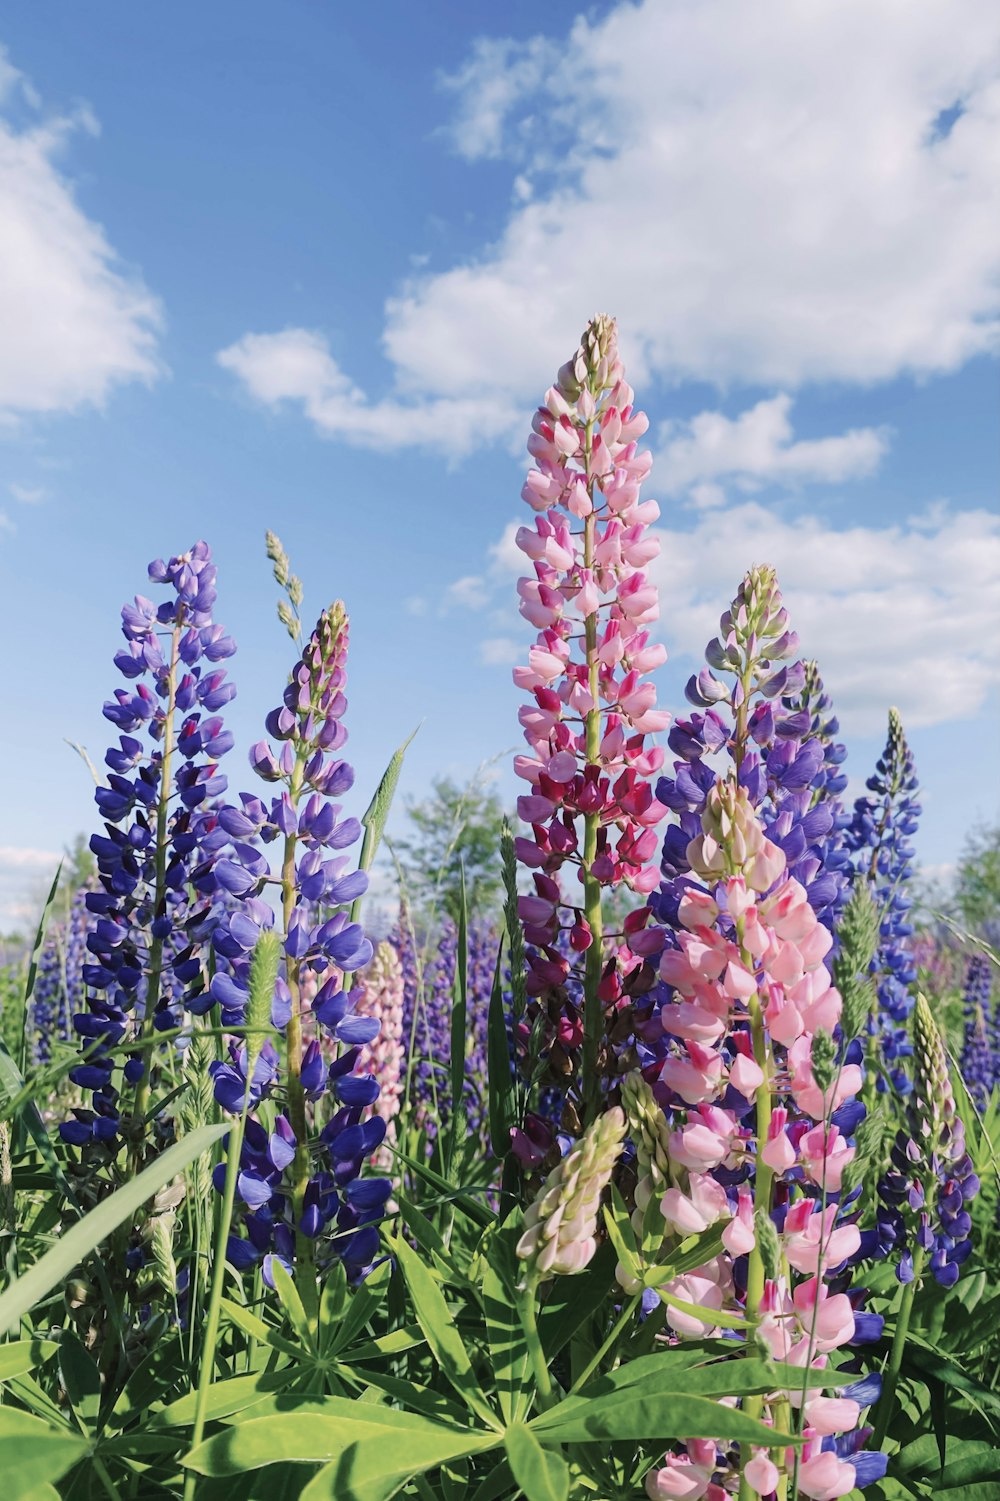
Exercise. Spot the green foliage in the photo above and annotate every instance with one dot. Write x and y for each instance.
(455, 834)
(977, 881)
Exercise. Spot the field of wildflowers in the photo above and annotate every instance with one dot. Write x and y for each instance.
(673, 1175)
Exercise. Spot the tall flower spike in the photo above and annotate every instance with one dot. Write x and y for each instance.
(157, 901)
(980, 1062)
(770, 716)
(302, 1186)
(591, 707)
(381, 999)
(560, 1226)
(878, 836)
(930, 1181)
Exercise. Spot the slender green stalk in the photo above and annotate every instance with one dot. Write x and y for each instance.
(890, 1377)
(539, 1365)
(593, 1011)
(211, 1331)
(159, 892)
(617, 1330)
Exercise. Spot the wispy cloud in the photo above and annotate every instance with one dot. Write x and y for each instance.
(693, 169)
(905, 615)
(75, 322)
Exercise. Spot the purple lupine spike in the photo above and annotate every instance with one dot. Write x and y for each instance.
(305, 1200)
(878, 837)
(156, 898)
(923, 1216)
(980, 1062)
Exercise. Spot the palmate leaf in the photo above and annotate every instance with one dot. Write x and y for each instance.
(542, 1474)
(508, 1350)
(33, 1454)
(645, 1415)
(328, 1434)
(439, 1329)
(371, 1469)
(24, 1355)
(87, 1234)
(225, 1398)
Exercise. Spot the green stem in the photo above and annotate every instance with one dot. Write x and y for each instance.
(593, 1010)
(617, 1330)
(159, 893)
(539, 1365)
(211, 1334)
(297, 1118)
(890, 1379)
(763, 1181)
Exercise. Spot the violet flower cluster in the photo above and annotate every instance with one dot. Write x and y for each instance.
(770, 716)
(428, 1000)
(923, 1217)
(980, 1052)
(155, 906)
(878, 836)
(301, 1186)
(59, 989)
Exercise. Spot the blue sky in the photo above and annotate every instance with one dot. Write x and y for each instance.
(311, 268)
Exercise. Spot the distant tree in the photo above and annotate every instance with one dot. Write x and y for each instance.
(977, 881)
(456, 828)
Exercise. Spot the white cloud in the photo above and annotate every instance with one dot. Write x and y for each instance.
(75, 323)
(906, 615)
(763, 194)
(296, 366)
(500, 651)
(756, 448)
(28, 495)
(470, 592)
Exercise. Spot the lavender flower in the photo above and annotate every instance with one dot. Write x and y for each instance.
(155, 905)
(923, 1216)
(980, 1061)
(300, 1185)
(878, 837)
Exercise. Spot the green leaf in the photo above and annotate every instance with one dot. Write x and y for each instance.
(574, 1299)
(438, 1324)
(983, 1465)
(422, 1399)
(662, 1416)
(370, 1469)
(32, 1453)
(508, 1349)
(499, 1072)
(80, 1377)
(285, 1437)
(160, 1372)
(542, 1474)
(291, 1302)
(24, 1355)
(258, 1330)
(378, 811)
(361, 1307)
(87, 1234)
(224, 1398)
(459, 1014)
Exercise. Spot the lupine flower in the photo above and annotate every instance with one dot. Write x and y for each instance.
(428, 999)
(590, 708)
(59, 989)
(930, 1182)
(761, 1104)
(980, 1061)
(155, 908)
(771, 718)
(302, 1187)
(879, 836)
(381, 998)
(560, 1225)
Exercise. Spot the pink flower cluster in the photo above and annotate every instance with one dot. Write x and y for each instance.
(381, 997)
(591, 705)
(750, 994)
